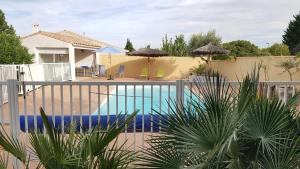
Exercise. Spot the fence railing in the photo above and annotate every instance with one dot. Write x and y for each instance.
(33, 72)
(99, 103)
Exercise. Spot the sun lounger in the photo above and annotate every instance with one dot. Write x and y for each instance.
(102, 70)
(121, 71)
(144, 73)
(160, 73)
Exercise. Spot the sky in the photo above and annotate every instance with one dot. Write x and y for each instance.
(146, 22)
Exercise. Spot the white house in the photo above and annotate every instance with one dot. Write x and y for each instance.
(63, 47)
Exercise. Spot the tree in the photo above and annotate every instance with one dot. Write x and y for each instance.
(11, 49)
(129, 45)
(180, 46)
(240, 48)
(264, 52)
(291, 36)
(176, 48)
(290, 66)
(279, 50)
(167, 45)
(225, 126)
(4, 27)
(199, 40)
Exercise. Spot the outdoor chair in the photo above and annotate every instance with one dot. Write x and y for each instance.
(144, 73)
(102, 70)
(160, 73)
(121, 71)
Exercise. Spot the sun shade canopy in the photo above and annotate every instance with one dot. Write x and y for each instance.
(209, 49)
(110, 49)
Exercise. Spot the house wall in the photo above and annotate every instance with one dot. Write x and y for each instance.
(178, 67)
(84, 57)
(40, 41)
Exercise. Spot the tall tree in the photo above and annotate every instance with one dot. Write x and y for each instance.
(176, 48)
(291, 36)
(241, 48)
(4, 27)
(11, 49)
(167, 45)
(198, 40)
(180, 46)
(129, 45)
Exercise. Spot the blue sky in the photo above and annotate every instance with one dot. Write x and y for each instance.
(146, 22)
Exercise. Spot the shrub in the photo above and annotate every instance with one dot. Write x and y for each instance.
(225, 126)
(240, 48)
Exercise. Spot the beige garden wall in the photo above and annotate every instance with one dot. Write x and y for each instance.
(178, 67)
(174, 67)
(236, 69)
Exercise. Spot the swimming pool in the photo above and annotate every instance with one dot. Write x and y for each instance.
(156, 98)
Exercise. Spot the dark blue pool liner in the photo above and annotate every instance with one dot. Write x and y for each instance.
(94, 118)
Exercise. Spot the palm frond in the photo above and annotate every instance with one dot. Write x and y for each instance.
(267, 122)
(285, 156)
(161, 154)
(13, 146)
(3, 161)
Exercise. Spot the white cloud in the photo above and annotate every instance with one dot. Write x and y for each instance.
(145, 22)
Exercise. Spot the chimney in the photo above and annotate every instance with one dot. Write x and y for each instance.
(35, 28)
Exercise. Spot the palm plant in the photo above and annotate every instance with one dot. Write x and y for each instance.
(95, 149)
(224, 126)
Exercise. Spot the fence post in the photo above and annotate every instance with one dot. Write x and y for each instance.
(62, 72)
(180, 93)
(13, 102)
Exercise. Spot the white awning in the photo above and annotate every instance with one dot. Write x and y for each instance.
(53, 50)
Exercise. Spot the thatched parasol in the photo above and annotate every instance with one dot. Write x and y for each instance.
(209, 50)
(148, 52)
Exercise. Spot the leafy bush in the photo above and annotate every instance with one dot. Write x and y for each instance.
(227, 127)
(290, 66)
(240, 48)
(279, 50)
(94, 149)
(264, 52)
(198, 70)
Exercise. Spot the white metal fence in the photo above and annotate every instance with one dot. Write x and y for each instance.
(94, 103)
(34, 72)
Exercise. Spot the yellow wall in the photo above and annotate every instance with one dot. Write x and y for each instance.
(234, 70)
(178, 67)
(174, 67)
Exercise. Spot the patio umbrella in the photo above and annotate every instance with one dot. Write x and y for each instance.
(148, 52)
(209, 50)
(110, 50)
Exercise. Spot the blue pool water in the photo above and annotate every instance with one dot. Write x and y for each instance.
(159, 101)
